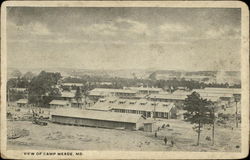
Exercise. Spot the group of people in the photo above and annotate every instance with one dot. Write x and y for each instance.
(166, 140)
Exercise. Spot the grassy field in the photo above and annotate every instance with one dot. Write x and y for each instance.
(55, 136)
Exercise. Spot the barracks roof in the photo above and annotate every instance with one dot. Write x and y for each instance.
(139, 105)
(98, 115)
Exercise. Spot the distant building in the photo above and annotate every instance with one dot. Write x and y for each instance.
(177, 99)
(182, 88)
(180, 114)
(59, 104)
(67, 96)
(106, 83)
(71, 86)
(77, 104)
(224, 90)
(23, 90)
(97, 93)
(22, 103)
(143, 90)
(98, 119)
(224, 96)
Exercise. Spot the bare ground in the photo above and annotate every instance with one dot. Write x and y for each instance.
(55, 136)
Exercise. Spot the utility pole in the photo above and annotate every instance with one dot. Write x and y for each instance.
(236, 114)
(147, 89)
(154, 109)
(8, 96)
(236, 99)
(213, 116)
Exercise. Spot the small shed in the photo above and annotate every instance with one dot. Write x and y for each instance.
(149, 126)
(22, 103)
(180, 114)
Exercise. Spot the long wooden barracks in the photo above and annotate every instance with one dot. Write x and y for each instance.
(100, 119)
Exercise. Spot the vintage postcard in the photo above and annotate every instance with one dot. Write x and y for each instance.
(124, 80)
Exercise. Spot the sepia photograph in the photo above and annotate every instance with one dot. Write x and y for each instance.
(133, 79)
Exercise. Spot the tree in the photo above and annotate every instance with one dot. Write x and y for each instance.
(197, 112)
(17, 83)
(14, 95)
(152, 76)
(78, 96)
(28, 75)
(212, 118)
(43, 88)
(16, 73)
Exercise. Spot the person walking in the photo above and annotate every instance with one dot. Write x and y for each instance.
(155, 134)
(172, 143)
(165, 140)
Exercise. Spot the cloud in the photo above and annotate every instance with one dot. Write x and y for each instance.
(38, 28)
(168, 27)
(133, 26)
(117, 27)
(35, 28)
(224, 32)
(101, 29)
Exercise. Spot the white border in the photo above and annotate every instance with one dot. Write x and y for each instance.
(135, 155)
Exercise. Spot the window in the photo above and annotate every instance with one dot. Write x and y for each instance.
(112, 101)
(159, 114)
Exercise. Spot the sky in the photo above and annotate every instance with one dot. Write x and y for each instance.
(124, 38)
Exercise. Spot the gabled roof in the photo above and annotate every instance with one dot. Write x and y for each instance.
(67, 94)
(59, 102)
(98, 115)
